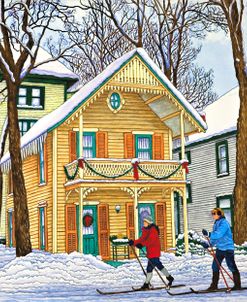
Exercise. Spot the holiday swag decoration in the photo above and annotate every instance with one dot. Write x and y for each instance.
(135, 166)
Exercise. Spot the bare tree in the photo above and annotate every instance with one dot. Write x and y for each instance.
(24, 27)
(165, 29)
(235, 12)
(98, 44)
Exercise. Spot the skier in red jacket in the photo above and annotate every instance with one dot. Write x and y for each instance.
(150, 239)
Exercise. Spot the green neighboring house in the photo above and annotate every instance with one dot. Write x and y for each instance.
(43, 90)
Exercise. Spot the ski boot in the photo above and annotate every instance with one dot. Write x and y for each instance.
(170, 280)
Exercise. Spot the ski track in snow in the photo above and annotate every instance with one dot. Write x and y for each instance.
(43, 276)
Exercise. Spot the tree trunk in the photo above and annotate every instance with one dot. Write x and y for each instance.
(240, 190)
(234, 17)
(22, 235)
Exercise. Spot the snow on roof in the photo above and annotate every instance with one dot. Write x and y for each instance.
(59, 115)
(53, 68)
(221, 116)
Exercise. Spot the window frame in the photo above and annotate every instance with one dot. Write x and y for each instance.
(10, 228)
(118, 101)
(29, 121)
(44, 181)
(29, 98)
(189, 190)
(217, 145)
(150, 150)
(93, 134)
(43, 229)
(230, 197)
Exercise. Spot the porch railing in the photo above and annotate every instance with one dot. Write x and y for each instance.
(124, 169)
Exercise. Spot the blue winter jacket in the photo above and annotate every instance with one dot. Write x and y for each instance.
(222, 235)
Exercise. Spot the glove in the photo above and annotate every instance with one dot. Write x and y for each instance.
(131, 242)
(205, 233)
(205, 244)
(139, 246)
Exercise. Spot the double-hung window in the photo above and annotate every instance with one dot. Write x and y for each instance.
(143, 146)
(42, 165)
(25, 125)
(31, 97)
(222, 158)
(89, 144)
(10, 223)
(42, 228)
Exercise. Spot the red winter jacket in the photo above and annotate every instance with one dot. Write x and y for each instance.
(150, 239)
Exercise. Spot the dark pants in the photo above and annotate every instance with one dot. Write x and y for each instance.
(154, 262)
(229, 256)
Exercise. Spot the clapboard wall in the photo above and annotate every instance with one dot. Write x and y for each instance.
(205, 185)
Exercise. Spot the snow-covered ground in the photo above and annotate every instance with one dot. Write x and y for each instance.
(46, 277)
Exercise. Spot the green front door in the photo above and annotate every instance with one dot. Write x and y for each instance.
(144, 210)
(90, 230)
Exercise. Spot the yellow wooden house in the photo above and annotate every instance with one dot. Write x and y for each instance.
(41, 92)
(101, 162)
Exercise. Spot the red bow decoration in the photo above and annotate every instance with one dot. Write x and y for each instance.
(135, 167)
(81, 163)
(185, 166)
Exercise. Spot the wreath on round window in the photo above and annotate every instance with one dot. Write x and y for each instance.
(87, 220)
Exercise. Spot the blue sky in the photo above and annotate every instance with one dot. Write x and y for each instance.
(216, 53)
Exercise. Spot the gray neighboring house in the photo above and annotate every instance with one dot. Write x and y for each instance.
(212, 164)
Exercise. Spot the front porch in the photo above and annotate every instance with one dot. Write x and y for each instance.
(109, 188)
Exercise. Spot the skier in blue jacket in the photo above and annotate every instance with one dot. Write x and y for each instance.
(221, 237)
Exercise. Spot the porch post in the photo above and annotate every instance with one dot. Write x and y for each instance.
(54, 188)
(186, 239)
(81, 192)
(173, 220)
(136, 220)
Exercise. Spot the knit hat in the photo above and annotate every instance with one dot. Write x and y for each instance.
(148, 219)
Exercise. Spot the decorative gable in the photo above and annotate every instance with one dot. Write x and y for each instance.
(135, 76)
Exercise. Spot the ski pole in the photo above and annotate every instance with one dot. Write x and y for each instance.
(138, 259)
(155, 269)
(210, 251)
(219, 266)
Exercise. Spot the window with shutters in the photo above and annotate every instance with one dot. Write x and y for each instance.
(143, 146)
(89, 144)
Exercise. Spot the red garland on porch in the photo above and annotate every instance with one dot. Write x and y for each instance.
(135, 169)
(185, 166)
(87, 220)
(81, 163)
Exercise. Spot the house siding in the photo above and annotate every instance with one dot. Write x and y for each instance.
(205, 185)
